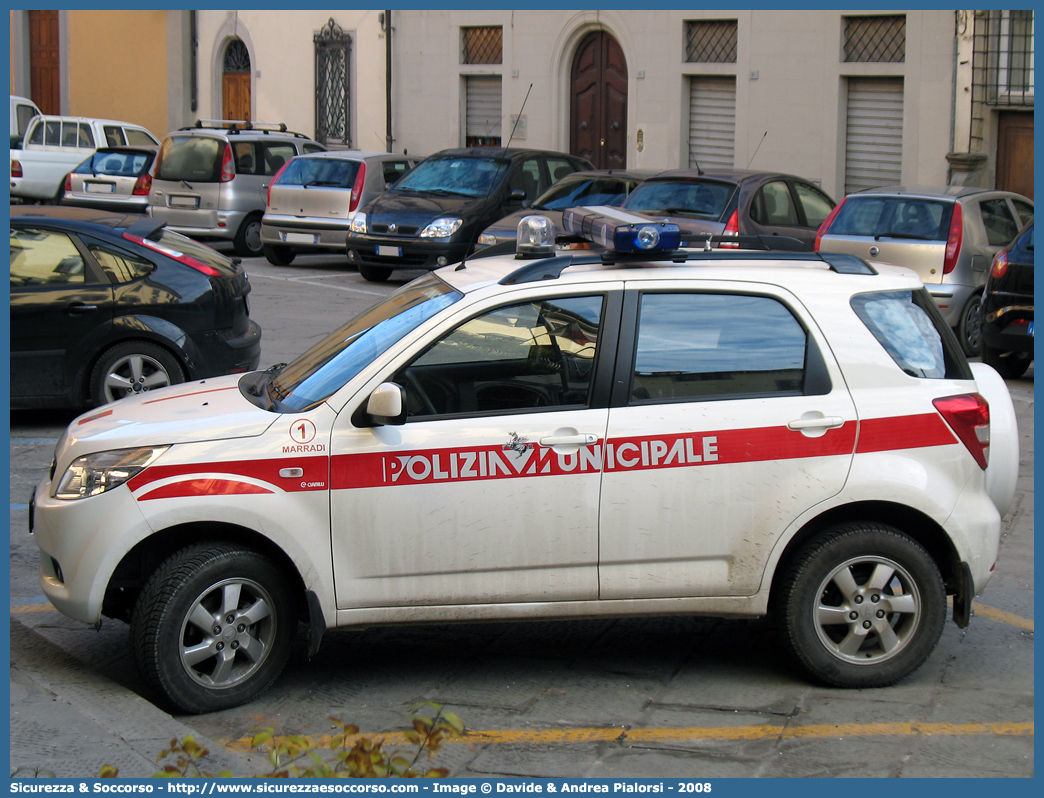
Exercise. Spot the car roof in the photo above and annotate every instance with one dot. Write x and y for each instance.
(351, 155)
(941, 192)
(497, 152)
(629, 174)
(88, 119)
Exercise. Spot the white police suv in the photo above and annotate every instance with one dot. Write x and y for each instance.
(641, 430)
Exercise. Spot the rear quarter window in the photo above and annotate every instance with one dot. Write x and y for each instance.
(909, 327)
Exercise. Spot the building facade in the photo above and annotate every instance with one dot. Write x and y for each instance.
(849, 99)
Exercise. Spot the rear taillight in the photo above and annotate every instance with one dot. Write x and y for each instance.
(954, 240)
(275, 179)
(16, 169)
(1000, 264)
(142, 185)
(227, 170)
(180, 257)
(731, 229)
(822, 231)
(969, 416)
(357, 188)
(68, 182)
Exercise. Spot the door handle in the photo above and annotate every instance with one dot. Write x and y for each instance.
(823, 422)
(76, 308)
(580, 439)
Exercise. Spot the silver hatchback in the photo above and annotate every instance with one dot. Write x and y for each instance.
(312, 200)
(114, 178)
(212, 178)
(948, 235)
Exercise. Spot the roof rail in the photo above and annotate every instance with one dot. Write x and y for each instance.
(552, 268)
(243, 125)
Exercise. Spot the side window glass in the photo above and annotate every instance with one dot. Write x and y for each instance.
(699, 346)
(393, 170)
(70, 134)
(44, 257)
(114, 136)
(138, 138)
(1025, 212)
(312, 148)
(121, 267)
(814, 203)
(529, 356)
(24, 114)
(558, 168)
(773, 205)
(85, 138)
(528, 179)
(53, 136)
(275, 155)
(36, 135)
(246, 163)
(996, 217)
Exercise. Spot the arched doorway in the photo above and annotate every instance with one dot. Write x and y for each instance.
(598, 102)
(235, 81)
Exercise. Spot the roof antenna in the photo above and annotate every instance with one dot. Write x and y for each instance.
(757, 148)
(518, 118)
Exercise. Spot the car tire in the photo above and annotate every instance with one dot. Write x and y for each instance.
(186, 646)
(863, 605)
(132, 367)
(278, 256)
(1009, 366)
(248, 238)
(969, 329)
(375, 274)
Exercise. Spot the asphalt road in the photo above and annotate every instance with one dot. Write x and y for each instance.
(674, 697)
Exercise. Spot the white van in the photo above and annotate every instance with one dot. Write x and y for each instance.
(22, 111)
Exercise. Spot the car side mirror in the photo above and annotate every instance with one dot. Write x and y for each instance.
(516, 195)
(387, 405)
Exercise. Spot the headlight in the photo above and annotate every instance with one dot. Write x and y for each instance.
(359, 224)
(96, 473)
(487, 240)
(442, 228)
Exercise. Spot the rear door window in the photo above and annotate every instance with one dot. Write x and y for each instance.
(114, 136)
(273, 156)
(36, 135)
(815, 204)
(1000, 225)
(773, 205)
(1024, 210)
(393, 170)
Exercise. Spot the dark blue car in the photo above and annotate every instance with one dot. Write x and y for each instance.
(1007, 308)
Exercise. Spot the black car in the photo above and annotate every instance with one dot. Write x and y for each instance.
(104, 305)
(734, 201)
(1007, 308)
(433, 215)
(590, 187)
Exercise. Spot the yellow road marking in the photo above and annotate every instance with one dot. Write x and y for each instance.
(1003, 616)
(18, 609)
(721, 734)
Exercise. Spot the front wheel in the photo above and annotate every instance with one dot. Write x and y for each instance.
(862, 606)
(213, 626)
(375, 274)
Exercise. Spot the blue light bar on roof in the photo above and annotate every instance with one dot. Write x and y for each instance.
(614, 229)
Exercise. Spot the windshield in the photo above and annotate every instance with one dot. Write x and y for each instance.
(570, 192)
(330, 172)
(897, 217)
(468, 177)
(705, 199)
(330, 364)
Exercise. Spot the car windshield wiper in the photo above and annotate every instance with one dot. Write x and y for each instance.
(257, 388)
(322, 183)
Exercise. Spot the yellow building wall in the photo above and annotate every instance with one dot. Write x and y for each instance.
(118, 66)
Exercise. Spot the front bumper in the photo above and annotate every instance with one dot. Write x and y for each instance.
(404, 253)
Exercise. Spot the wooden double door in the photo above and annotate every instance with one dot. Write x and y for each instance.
(598, 102)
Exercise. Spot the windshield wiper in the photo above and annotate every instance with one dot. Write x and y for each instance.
(322, 183)
(257, 388)
(879, 236)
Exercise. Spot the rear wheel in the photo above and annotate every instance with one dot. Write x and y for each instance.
(248, 238)
(862, 606)
(375, 274)
(969, 329)
(132, 367)
(277, 255)
(1010, 365)
(213, 626)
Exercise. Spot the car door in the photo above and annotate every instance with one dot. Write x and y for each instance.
(489, 492)
(729, 420)
(774, 210)
(58, 296)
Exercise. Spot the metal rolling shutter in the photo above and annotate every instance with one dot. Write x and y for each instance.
(874, 133)
(483, 111)
(712, 122)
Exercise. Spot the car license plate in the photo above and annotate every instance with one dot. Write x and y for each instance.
(389, 252)
(184, 202)
(99, 188)
(1031, 328)
(300, 238)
